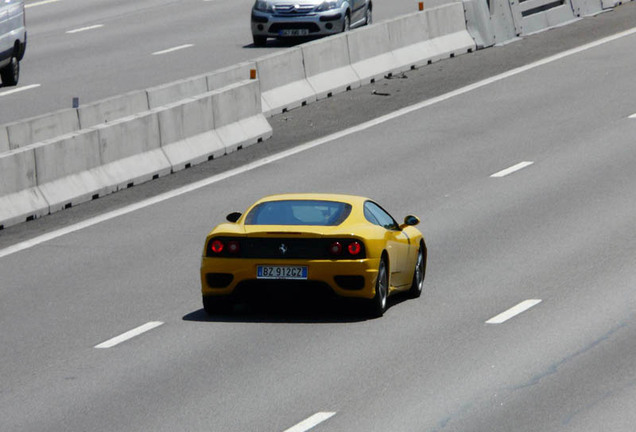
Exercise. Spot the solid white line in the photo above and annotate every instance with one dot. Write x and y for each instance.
(276, 157)
(169, 50)
(26, 6)
(129, 335)
(513, 311)
(512, 169)
(311, 422)
(93, 27)
(633, 116)
(19, 89)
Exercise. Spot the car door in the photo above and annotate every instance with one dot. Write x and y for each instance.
(4, 29)
(357, 11)
(398, 243)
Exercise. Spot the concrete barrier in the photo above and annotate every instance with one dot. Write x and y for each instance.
(283, 83)
(370, 52)
(41, 128)
(229, 75)
(328, 66)
(69, 170)
(447, 30)
(187, 132)
(20, 198)
(111, 109)
(410, 41)
(4, 140)
(176, 91)
(130, 150)
(238, 116)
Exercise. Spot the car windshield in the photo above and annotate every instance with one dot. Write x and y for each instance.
(298, 212)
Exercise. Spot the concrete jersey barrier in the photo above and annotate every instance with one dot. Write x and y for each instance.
(130, 150)
(20, 198)
(4, 140)
(238, 116)
(112, 109)
(370, 52)
(283, 82)
(42, 128)
(187, 132)
(69, 170)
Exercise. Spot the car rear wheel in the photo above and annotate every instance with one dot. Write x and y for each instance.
(217, 305)
(10, 74)
(259, 41)
(377, 305)
(418, 274)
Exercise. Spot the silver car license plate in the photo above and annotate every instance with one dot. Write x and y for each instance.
(294, 32)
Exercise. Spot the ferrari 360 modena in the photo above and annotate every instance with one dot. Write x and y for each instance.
(342, 244)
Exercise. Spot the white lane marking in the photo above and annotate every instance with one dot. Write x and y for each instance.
(513, 311)
(311, 422)
(19, 89)
(83, 29)
(129, 335)
(633, 116)
(44, 2)
(512, 169)
(301, 148)
(169, 50)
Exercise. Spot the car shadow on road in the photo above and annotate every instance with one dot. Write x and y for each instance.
(331, 311)
(282, 43)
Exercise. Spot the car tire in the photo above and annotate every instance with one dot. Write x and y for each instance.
(377, 305)
(217, 305)
(259, 41)
(346, 24)
(10, 74)
(419, 274)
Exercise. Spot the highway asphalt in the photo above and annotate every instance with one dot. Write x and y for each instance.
(96, 49)
(522, 173)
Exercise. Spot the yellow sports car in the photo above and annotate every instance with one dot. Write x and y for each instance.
(345, 244)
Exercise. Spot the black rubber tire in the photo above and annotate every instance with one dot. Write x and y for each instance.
(377, 305)
(346, 25)
(419, 273)
(217, 305)
(259, 41)
(10, 74)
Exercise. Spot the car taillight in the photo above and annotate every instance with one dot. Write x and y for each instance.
(335, 248)
(354, 248)
(233, 247)
(217, 246)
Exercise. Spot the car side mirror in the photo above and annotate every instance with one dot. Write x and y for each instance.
(233, 217)
(411, 220)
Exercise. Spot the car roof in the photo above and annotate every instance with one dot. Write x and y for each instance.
(349, 199)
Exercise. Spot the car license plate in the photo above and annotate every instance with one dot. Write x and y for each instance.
(281, 272)
(294, 32)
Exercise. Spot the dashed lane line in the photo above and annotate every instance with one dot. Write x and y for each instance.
(18, 89)
(129, 335)
(513, 311)
(169, 50)
(512, 169)
(311, 422)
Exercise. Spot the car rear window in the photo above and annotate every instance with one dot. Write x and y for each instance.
(299, 212)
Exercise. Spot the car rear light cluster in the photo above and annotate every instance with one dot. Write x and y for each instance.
(351, 249)
(222, 247)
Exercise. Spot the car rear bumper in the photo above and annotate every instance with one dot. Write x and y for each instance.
(345, 278)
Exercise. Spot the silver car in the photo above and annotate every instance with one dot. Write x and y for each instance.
(307, 18)
(12, 40)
